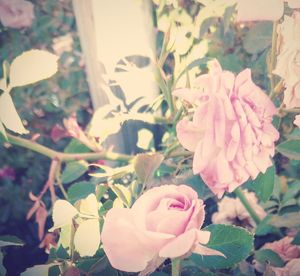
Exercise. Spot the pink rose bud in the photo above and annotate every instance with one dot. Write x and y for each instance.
(231, 132)
(163, 223)
(16, 13)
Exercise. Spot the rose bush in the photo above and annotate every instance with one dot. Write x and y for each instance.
(231, 132)
(163, 223)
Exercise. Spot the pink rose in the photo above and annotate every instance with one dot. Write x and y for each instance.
(259, 10)
(231, 131)
(284, 248)
(297, 121)
(232, 211)
(16, 13)
(292, 268)
(164, 222)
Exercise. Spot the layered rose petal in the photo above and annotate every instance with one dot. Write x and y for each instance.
(231, 133)
(125, 251)
(188, 134)
(163, 223)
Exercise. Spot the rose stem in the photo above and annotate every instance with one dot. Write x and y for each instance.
(239, 193)
(176, 267)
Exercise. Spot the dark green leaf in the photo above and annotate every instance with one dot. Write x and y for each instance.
(263, 228)
(73, 170)
(287, 220)
(258, 37)
(76, 147)
(269, 256)
(264, 183)
(199, 186)
(296, 240)
(8, 240)
(80, 190)
(290, 149)
(234, 242)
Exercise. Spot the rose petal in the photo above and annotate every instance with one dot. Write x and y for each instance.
(180, 245)
(121, 243)
(188, 134)
(203, 250)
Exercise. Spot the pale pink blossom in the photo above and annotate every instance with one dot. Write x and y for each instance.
(288, 59)
(292, 268)
(231, 132)
(163, 223)
(284, 248)
(16, 13)
(232, 211)
(297, 121)
(260, 10)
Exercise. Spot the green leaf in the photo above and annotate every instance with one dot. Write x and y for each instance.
(199, 186)
(288, 220)
(76, 146)
(145, 165)
(2, 268)
(80, 190)
(100, 191)
(294, 135)
(42, 66)
(258, 37)
(296, 240)
(74, 170)
(122, 193)
(9, 115)
(263, 228)
(264, 183)
(269, 256)
(290, 149)
(234, 242)
(8, 240)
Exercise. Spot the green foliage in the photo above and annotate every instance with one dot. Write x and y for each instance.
(263, 184)
(73, 171)
(80, 190)
(267, 255)
(145, 165)
(258, 37)
(290, 149)
(8, 240)
(296, 240)
(234, 242)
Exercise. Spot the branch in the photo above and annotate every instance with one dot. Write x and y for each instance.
(107, 155)
(61, 156)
